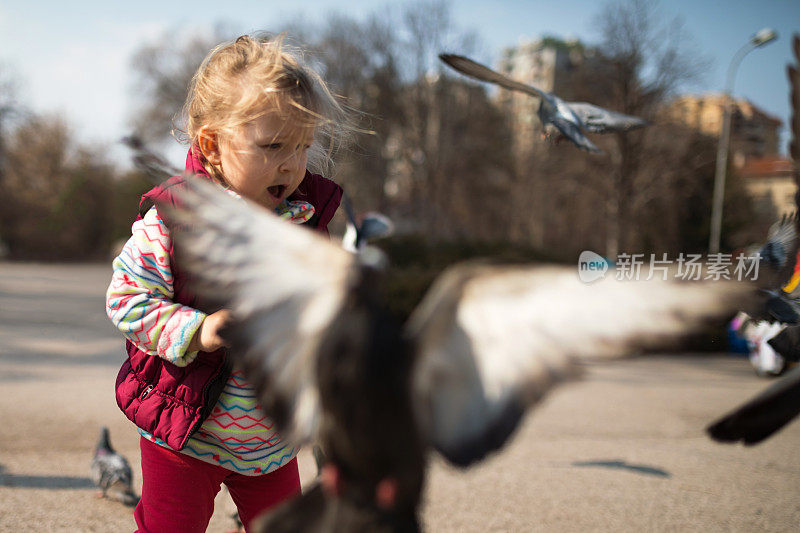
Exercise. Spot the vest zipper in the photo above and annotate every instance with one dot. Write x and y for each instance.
(146, 391)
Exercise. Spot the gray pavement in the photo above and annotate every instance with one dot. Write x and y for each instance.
(623, 450)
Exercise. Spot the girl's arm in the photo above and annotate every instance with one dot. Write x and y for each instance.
(139, 299)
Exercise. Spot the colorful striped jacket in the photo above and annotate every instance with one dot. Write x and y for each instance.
(171, 395)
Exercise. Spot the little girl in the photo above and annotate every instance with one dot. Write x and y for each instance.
(254, 115)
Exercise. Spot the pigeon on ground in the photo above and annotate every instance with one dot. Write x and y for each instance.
(370, 227)
(768, 412)
(331, 365)
(112, 473)
(558, 117)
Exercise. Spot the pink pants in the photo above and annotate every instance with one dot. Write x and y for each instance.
(178, 491)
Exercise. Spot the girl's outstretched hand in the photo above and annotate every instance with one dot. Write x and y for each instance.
(207, 337)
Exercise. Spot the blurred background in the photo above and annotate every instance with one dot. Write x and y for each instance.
(459, 166)
(462, 170)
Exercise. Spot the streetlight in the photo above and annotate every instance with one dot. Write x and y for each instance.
(764, 36)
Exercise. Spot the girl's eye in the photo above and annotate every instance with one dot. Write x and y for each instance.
(273, 146)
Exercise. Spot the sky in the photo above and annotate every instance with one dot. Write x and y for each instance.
(73, 58)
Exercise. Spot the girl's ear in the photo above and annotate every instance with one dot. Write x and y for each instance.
(209, 145)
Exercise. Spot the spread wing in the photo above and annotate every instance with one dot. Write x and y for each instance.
(283, 285)
(763, 415)
(600, 120)
(483, 73)
(494, 340)
(571, 131)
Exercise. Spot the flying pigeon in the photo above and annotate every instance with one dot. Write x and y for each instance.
(768, 412)
(372, 226)
(570, 119)
(330, 365)
(111, 472)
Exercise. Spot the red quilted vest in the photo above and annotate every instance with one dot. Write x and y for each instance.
(171, 402)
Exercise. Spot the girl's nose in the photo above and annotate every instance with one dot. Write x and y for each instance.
(291, 163)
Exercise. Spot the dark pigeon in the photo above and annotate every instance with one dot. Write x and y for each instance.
(112, 473)
(332, 366)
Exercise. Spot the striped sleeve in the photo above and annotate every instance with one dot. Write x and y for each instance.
(139, 299)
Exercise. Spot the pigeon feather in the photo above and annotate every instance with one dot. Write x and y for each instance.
(494, 340)
(283, 284)
(600, 120)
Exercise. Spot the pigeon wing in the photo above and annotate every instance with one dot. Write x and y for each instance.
(483, 73)
(600, 120)
(787, 343)
(571, 131)
(492, 341)
(761, 416)
(283, 285)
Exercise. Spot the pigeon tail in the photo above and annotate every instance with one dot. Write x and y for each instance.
(103, 442)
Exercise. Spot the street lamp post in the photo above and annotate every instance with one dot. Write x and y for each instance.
(761, 38)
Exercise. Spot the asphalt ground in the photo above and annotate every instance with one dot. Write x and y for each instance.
(623, 450)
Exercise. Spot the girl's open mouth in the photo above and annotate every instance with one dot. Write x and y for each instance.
(277, 191)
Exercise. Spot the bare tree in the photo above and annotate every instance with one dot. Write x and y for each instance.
(10, 108)
(58, 194)
(438, 146)
(163, 71)
(359, 61)
(643, 58)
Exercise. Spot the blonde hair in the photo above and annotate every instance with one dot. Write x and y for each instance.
(241, 80)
